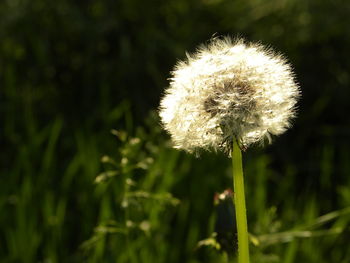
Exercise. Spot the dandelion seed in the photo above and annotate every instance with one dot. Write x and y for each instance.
(228, 89)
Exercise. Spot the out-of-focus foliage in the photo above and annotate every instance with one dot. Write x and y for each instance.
(72, 71)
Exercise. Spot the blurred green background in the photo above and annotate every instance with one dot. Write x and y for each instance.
(87, 175)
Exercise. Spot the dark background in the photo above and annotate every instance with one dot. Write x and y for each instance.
(70, 69)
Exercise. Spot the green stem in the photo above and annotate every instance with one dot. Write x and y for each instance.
(239, 197)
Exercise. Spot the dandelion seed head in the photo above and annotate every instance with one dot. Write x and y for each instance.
(228, 89)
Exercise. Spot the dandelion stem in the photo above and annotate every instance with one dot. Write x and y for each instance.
(239, 199)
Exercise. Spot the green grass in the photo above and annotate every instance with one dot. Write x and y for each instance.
(127, 196)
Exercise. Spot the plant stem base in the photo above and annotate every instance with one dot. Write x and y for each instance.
(240, 207)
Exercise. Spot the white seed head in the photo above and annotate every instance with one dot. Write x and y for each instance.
(228, 89)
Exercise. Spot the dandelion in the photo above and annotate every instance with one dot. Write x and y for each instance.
(227, 96)
(228, 89)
